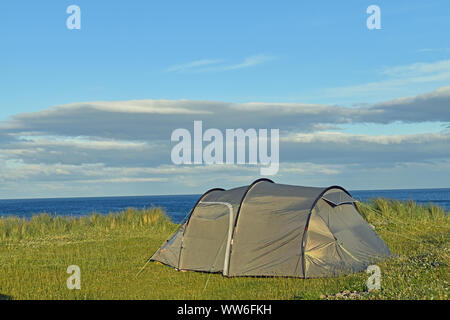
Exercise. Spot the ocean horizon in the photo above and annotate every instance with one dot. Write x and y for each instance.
(178, 207)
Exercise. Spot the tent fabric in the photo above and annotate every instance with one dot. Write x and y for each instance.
(269, 229)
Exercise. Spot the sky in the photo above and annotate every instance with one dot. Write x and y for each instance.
(90, 112)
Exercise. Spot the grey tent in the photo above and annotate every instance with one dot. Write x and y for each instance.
(269, 229)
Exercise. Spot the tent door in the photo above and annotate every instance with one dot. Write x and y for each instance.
(230, 233)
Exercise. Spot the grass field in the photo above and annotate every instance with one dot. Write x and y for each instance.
(111, 249)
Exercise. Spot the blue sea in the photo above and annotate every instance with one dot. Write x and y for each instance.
(178, 206)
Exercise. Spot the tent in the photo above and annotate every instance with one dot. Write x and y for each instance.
(269, 229)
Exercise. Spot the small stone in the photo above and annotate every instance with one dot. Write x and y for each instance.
(322, 296)
(346, 292)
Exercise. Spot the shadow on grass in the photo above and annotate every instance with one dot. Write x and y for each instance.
(3, 297)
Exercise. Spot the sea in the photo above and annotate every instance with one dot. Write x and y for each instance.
(178, 206)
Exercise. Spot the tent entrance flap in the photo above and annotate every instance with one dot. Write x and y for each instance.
(230, 232)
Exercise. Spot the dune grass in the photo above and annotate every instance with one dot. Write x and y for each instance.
(111, 249)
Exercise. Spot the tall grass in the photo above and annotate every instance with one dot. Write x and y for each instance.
(51, 226)
(419, 237)
(111, 249)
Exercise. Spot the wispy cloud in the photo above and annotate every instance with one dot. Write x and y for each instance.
(398, 77)
(209, 65)
(248, 62)
(418, 69)
(193, 65)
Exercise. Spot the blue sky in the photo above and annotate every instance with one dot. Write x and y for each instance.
(303, 52)
(124, 49)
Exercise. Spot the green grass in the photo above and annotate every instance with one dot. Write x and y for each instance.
(111, 249)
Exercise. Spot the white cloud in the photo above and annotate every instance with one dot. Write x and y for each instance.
(345, 138)
(100, 148)
(208, 65)
(154, 120)
(82, 143)
(398, 77)
(309, 168)
(418, 69)
(248, 62)
(193, 64)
